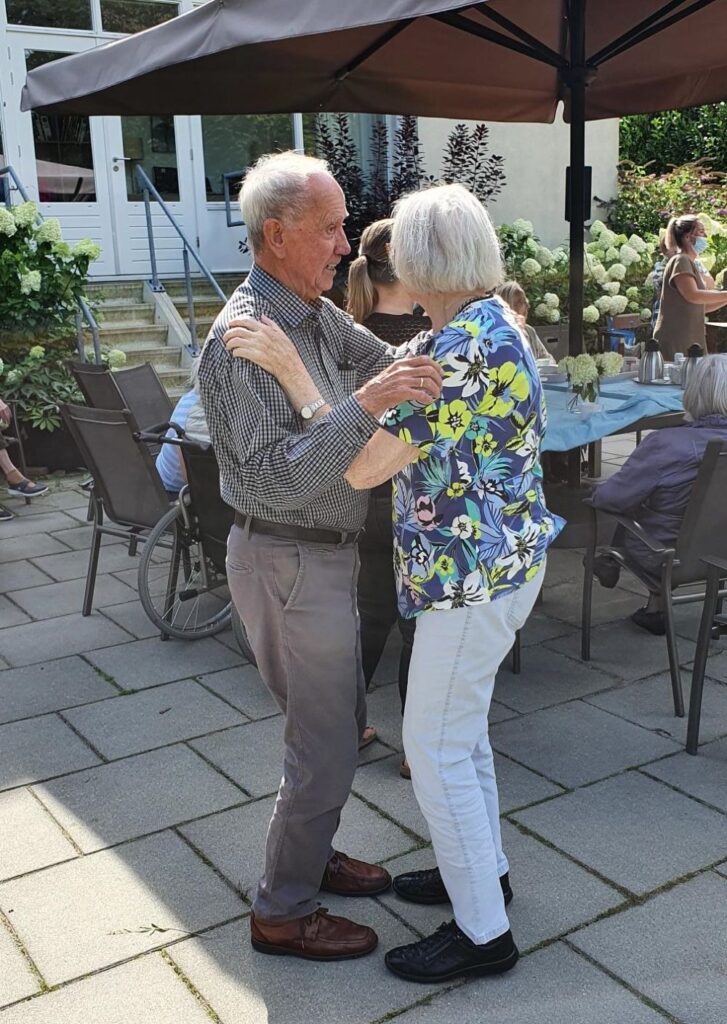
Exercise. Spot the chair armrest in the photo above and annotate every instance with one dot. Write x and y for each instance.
(631, 526)
(716, 563)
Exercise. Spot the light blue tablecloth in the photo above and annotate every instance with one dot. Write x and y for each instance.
(624, 402)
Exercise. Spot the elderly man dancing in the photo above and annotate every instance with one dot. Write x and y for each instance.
(292, 558)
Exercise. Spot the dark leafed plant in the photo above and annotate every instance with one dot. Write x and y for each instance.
(467, 161)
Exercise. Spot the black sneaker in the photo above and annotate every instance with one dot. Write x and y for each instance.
(449, 954)
(606, 570)
(652, 622)
(428, 887)
(5, 513)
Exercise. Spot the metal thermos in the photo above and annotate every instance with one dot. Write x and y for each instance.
(651, 365)
(694, 352)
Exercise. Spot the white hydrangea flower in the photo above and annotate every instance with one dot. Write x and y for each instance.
(645, 314)
(632, 292)
(633, 307)
(541, 310)
(36, 352)
(584, 370)
(530, 267)
(85, 247)
(637, 243)
(600, 274)
(609, 363)
(597, 227)
(523, 227)
(49, 231)
(7, 224)
(551, 299)
(24, 215)
(560, 255)
(116, 358)
(618, 304)
(617, 272)
(532, 246)
(565, 365)
(628, 255)
(594, 247)
(611, 287)
(603, 303)
(649, 279)
(611, 254)
(2, 367)
(30, 281)
(553, 316)
(545, 256)
(608, 239)
(591, 315)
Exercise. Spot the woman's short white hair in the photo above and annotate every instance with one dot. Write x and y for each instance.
(706, 392)
(275, 188)
(443, 242)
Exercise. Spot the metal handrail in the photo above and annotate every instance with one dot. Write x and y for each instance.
(84, 309)
(149, 191)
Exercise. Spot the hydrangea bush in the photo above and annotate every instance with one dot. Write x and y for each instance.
(617, 271)
(41, 279)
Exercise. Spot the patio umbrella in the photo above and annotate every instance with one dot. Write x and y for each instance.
(503, 60)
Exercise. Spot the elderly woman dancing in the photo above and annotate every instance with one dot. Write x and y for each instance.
(471, 531)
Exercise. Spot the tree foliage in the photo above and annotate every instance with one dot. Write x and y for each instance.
(675, 137)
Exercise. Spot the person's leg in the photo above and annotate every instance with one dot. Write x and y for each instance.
(298, 605)
(17, 483)
(377, 605)
(454, 662)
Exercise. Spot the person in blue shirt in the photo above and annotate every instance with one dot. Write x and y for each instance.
(189, 415)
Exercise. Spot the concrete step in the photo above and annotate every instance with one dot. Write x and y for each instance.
(118, 336)
(127, 314)
(174, 379)
(168, 358)
(201, 288)
(106, 291)
(202, 307)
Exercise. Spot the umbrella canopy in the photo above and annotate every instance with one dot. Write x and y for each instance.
(504, 60)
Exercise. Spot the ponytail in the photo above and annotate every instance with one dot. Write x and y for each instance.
(362, 298)
(676, 231)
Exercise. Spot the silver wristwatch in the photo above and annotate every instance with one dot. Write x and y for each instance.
(309, 410)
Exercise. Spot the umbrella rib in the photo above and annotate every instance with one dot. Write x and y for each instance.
(473, 28)
(650, 26)
(343, 73)
(510, 26)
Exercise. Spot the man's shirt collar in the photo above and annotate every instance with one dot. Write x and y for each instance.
(289, 307)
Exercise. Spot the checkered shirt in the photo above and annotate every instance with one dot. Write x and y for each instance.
(272, 466)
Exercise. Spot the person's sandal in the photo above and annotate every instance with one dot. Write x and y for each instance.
(404, 769)
(26, 489)
(369, 735)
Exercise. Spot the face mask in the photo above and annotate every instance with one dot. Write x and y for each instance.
(700, 244)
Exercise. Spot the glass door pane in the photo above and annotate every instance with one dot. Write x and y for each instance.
(63, 153)
(233, 142)
(150, 143)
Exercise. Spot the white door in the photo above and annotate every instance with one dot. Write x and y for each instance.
(62, 159)
(160, 146)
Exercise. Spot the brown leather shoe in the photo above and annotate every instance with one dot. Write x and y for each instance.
(320, 936)
(348, 877)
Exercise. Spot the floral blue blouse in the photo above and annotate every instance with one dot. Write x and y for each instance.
(470, 521)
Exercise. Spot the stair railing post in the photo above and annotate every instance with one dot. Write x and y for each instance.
(150, 235)
(190, 303)
(79, 337)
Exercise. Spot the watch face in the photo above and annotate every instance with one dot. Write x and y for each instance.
(305, 412)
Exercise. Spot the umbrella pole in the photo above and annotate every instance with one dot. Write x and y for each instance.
(577, 194)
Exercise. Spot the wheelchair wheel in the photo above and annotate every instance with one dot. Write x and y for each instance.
(181, 591)
(240, 634)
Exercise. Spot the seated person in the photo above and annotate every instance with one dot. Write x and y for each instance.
(18, 485)
(189, 415)
(655, 483)
(512, 293)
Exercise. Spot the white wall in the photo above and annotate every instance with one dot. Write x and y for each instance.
(536, 156)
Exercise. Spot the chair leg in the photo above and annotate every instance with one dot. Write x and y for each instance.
(711, 600)
(671, 643)
(92, 570)
(515, 652)
(586, 608)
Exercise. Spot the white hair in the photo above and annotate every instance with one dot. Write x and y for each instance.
(706, 392)
(275, 188)
(443, 242)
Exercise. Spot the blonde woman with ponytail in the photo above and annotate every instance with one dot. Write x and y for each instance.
(380, 302)
(686, 294)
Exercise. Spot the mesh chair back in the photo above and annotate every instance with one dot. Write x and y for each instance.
(124, 474)
(143, 395)
(704, 528)
(212, 514)
(97, 385)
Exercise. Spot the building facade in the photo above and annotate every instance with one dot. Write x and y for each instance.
(81, 170)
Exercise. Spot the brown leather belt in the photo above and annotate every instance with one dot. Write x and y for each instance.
(288, 532)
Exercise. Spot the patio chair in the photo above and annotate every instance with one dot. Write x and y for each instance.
(713, 625)
(702, 535)
(97, 385)
(618, 328)
(144, 395)
(127, 489)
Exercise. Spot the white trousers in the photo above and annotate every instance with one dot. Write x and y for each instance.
(451, 678)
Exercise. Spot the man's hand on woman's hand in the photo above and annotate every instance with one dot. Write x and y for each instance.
(415, 379)
(264, 343)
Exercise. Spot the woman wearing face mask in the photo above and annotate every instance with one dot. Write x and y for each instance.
(686, 294)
